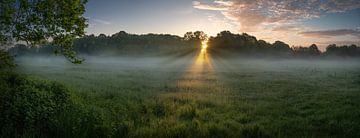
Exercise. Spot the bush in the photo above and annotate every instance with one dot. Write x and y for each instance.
(36, 108)
(6, 61)
(29, 107)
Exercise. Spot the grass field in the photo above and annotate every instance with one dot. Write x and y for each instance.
(200, 95)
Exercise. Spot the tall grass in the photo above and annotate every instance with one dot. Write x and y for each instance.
(239, 98)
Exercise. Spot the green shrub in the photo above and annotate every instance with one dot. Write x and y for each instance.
(29, 107)
(6, 61)
(35, 108)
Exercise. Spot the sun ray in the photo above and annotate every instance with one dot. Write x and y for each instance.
(200, 69)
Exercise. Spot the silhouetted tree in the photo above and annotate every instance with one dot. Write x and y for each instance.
(310, 51)
(195, 38)
(102, 36)
(314, 51)
(342, 51)
(247, 44)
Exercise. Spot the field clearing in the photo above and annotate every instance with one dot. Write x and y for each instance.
(203, 95)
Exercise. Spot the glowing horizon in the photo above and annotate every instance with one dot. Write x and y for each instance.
(303, 23)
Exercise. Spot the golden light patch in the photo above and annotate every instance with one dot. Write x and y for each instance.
(200, 70)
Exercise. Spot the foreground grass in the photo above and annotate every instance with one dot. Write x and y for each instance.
(174, 97)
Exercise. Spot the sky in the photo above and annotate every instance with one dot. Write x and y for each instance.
(296, 22)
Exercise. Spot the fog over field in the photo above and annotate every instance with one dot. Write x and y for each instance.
(185, 62)
(196, 65)
(205, 95)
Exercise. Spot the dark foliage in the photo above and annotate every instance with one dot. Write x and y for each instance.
(311, 51)
(343, 51)
(123, 43)
(248, 45)
(35, 108)
(28, 106)
(6, 61)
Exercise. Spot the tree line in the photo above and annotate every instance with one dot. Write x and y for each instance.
(123, 43)
(249, 45)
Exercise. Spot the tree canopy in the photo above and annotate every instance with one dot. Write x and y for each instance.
(37, 22)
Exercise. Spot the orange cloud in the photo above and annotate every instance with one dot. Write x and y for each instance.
(250, 14)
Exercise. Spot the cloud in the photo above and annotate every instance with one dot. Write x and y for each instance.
(101, 21)
(198, 5)
(93, 22)
(331, 33)
(339, 42)
(285, 28)
(250, 14)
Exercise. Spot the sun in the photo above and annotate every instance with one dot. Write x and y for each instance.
(204, 45)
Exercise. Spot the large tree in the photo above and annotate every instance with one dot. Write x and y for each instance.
(36, 22)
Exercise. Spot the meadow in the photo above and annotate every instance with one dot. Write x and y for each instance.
(204, 95)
